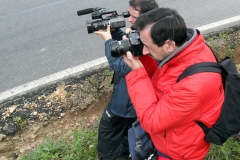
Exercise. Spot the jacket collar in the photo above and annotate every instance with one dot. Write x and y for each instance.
(191, 35)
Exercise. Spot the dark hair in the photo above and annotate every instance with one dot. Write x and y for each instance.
(167, 25)
(143, 6)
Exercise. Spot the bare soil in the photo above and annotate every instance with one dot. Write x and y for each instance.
(28, 138)
(92, 97)
(53, 112)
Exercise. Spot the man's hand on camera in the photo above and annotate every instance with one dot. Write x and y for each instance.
(105, 34)
(131, 61)
(127, 31)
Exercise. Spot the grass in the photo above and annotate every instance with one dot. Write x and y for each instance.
(82, 144)
(229, 151)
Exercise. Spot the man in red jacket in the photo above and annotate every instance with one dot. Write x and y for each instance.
(167, 110)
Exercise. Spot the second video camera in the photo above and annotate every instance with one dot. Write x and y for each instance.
(98, 22)
(132, 44)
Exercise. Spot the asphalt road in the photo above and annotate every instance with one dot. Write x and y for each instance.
(42, 37)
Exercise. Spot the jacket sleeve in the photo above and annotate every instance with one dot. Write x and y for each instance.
(149, 64)
(117, 34)
(179, 106)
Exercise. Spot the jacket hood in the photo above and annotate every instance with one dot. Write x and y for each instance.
(191, 35)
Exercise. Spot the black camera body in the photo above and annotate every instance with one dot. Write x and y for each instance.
(98, 22)
(132, 44)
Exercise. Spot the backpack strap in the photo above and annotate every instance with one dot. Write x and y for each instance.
(115, 79)
(138, 136)
(200, 67)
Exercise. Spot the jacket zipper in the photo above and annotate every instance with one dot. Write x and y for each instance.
(165, 136)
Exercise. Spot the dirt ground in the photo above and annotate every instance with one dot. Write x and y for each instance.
(63, 126)
(28, 138)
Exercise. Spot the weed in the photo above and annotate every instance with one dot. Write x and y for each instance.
(230, 52)
(69, 95)
(213, 37)
(91, 80)
(81, 145)
(48, 150)
(108, 73)
(215, 50)
(109, 82)
(95, 89)
(31, 107)
(229, 151)
(20, 122)
(223, 35)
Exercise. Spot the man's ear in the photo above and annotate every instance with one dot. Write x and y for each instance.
(170, 46)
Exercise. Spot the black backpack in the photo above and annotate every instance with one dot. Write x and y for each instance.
(228, 123)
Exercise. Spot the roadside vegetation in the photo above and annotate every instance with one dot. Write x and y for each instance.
(82, 144)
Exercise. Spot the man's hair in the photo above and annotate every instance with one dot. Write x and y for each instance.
(143, 6)
(167, 25)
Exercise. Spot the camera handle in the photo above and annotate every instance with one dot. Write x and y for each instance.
(98, 15)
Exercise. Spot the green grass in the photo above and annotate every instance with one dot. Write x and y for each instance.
(82, 144)
(229, 151)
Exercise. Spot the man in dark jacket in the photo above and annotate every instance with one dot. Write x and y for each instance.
(119, 114)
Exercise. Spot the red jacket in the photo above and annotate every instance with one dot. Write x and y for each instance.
(168, 110)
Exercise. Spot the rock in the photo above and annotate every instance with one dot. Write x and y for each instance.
(9, 129)
(2, 136)
(35, 129)
(24, 149)
(3, 158)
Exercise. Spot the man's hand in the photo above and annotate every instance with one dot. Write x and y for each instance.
(127, 31)
(131, 61)
(105, 34)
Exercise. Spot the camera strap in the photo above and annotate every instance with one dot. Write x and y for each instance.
(115, 79)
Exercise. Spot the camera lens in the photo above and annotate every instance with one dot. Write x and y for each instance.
(119, 48)
(90, 28)
(95, 25)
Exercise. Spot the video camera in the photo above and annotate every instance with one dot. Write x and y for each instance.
(98, 22)
(132, 44)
